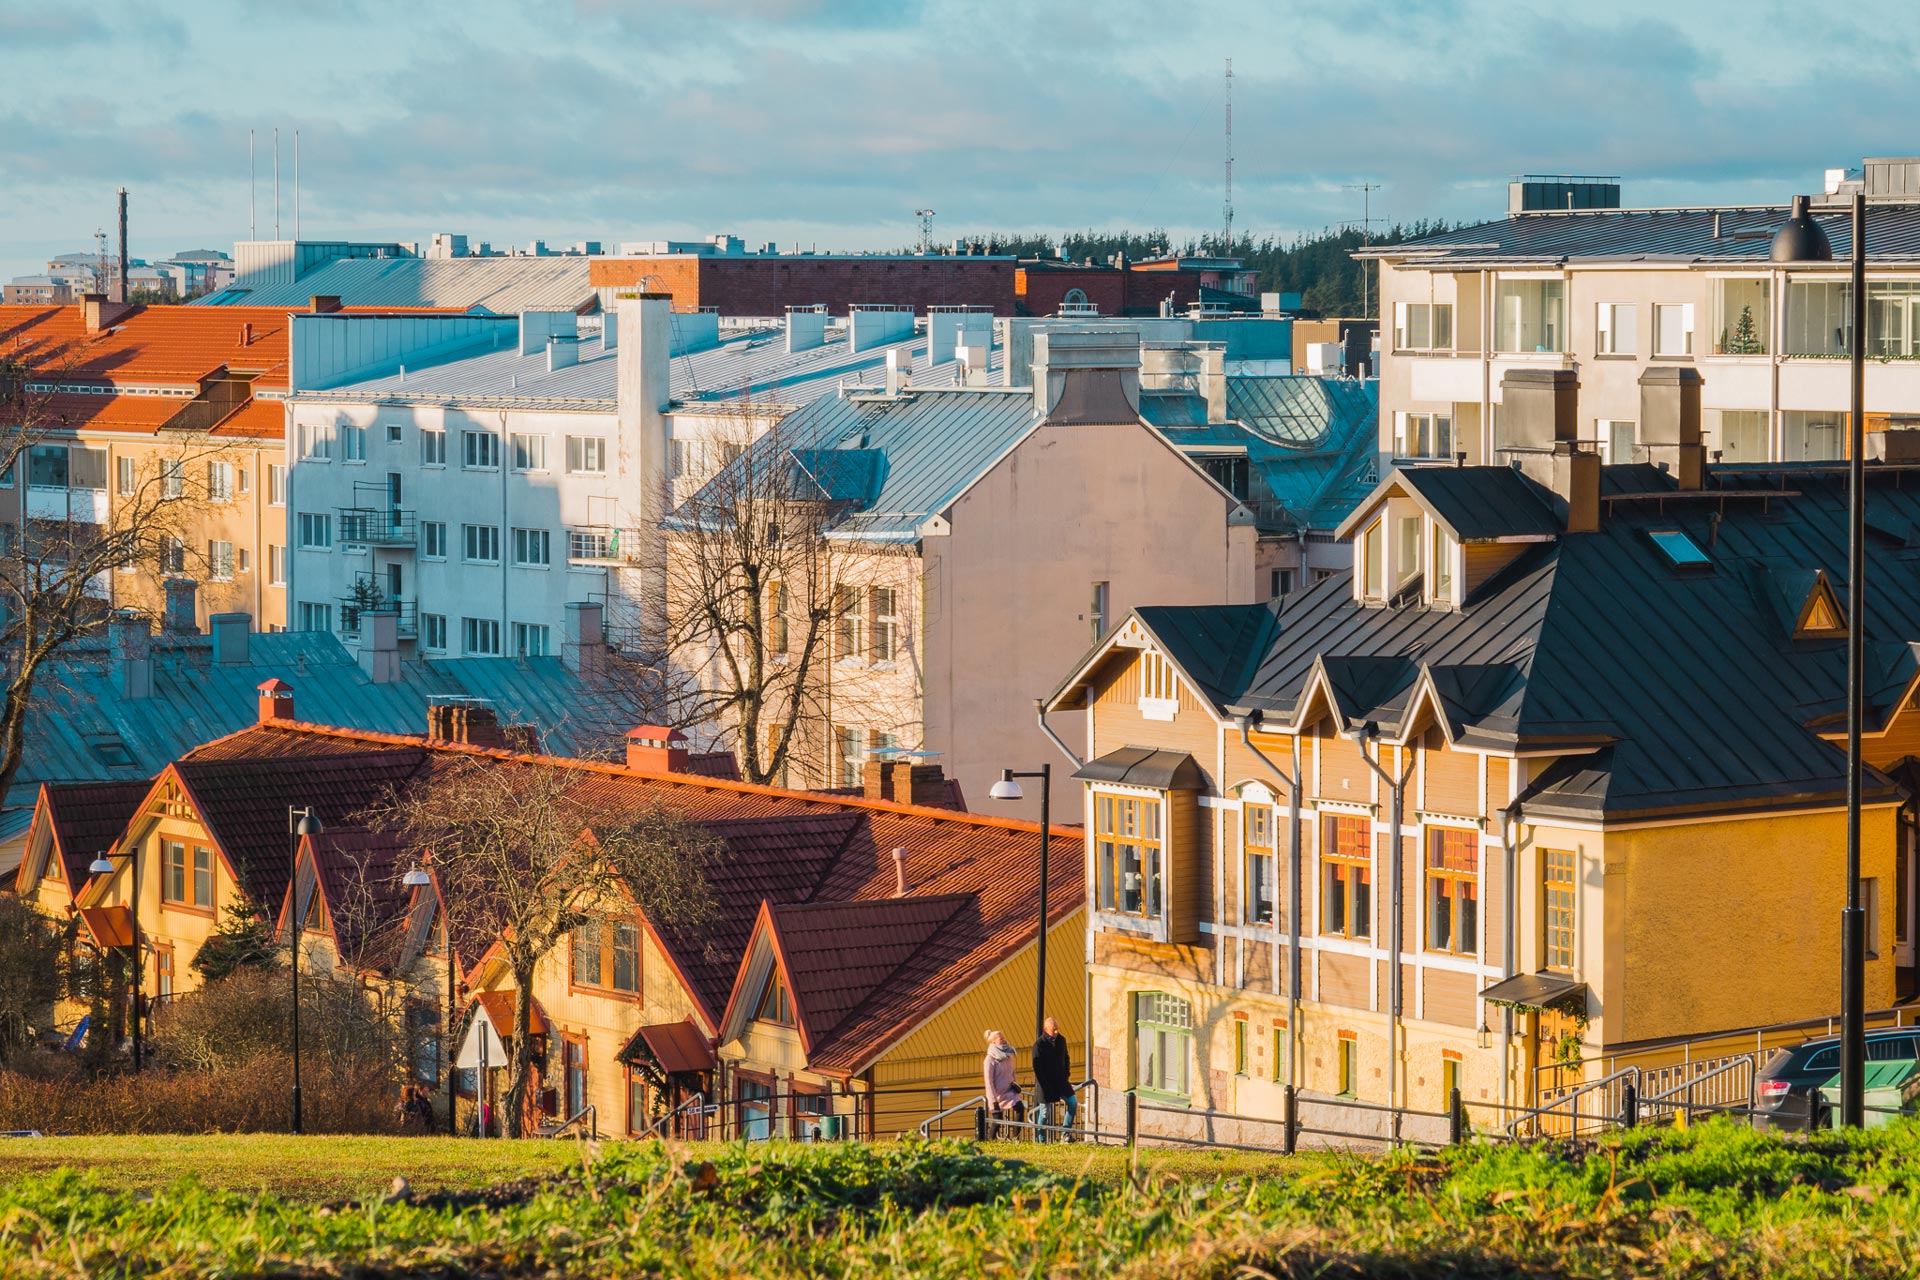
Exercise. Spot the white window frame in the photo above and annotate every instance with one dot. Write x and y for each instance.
(578, 448)
(479, 451)
(527, 451)
(532, 548)
(311, 522)
(432, 532)
(1611, 336)
(433, 446)
(433, 632)
(276, 484)
(532, 640)
(1665, 313)
(474, 538)
(475, 630)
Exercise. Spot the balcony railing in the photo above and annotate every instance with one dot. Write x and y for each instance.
(599, 544)
(378, 527)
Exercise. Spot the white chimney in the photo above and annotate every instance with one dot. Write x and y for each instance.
(562, 351)
(896, 372)
(583, 645)
(644, 390)
(610, 331)
(380, 645)
(232, 637)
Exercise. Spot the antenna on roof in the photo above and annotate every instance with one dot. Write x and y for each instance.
(1366, 190)
(296, 184)
(926, 229)
(1226, 237)
(276, 183)
(253, 231)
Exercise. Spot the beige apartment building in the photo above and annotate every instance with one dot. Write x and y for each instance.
(1612, 293)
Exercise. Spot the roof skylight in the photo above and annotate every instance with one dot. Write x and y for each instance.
(1681, 551)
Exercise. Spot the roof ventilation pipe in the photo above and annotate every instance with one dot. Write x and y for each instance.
(899, 873)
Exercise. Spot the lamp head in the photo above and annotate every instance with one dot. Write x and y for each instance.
(1801, 239)
(100, 866)
(310, 825)
(1006, 788)
(416, 878)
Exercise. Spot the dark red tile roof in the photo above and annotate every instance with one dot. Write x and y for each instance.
(87, 818)
(361, 882)
(841, 957)
(676, 1046)
(175, 345)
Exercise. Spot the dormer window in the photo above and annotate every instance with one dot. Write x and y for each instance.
(1373, 562)
(775, 1006)
(1406, 550)
(1440, 578)
(1159, 687)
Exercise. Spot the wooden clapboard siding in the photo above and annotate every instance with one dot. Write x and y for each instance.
(1484, 559)
(1343, 981)
(1453, 782)
(1344, 774)
(1189, 866)
(1162, 960)
(1450, 997)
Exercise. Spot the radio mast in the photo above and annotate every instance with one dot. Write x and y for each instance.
(1226, 234)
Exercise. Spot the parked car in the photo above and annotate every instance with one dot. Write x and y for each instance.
(1786, 1080)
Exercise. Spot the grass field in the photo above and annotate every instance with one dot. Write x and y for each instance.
(1714, 1203)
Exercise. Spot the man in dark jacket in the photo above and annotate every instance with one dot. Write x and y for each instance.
(1053, 1082)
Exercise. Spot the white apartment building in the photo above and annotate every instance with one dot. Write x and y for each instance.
(1613, 293)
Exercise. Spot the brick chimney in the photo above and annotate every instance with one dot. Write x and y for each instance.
(276, 700)
(323, 303)
(179, 609)
(100, 313)
(654, 748)
(918, 783)
(1539, 431)
(1670, 422)
(876, 779)
(472, 723)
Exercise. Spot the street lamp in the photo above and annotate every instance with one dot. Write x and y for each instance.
(1803, 240)
(1364, 734)
(307, 825)
(417, 878)
(1008, 788)
(102, 865)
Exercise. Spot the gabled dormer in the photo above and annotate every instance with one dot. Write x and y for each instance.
(1431, 535)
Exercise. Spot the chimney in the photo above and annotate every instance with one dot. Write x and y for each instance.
(654, 748)
(563, 351)
(465, 720)
(323, 303)
(583, 639)
(899, 873)
(643, 392)
(131, 641)
(1575, 478)
(232, 638)
(246, 334)
(876, 779)
(120, 285)
(609, 331)
(1670, 422)
(276, 701)
(922, 784)
(806, 328)
(380, 645)
(99, 313)
(524, 738)
(1087, 376)
(180, 594)
(1213, 382)
(896, 372)
(1539, 408)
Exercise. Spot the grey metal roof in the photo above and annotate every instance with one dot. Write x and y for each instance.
(1650, 235)
(504, 286)
(934, 445)
(1670, 691)
(82, 729)
(1145, 767)
(1479, 503)
(753, 367)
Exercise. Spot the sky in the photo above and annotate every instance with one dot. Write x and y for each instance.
(827, 123)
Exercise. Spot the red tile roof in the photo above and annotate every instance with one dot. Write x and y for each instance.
(676, 1046)
(157, 344)
(257, 419)
(74, 411)
(110, 926)
(87, 819)
(361, 882)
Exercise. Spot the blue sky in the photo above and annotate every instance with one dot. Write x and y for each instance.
(829, 121)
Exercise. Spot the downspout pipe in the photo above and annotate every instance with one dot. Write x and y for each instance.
(1244, 721)
(1040, 713)
(1509, 820)
(1364, 735)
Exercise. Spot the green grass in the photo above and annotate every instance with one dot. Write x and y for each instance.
(1712, 1203)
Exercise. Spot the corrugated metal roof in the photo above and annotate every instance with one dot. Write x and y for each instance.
(1651, 235)
(745, 368)
(504, 286)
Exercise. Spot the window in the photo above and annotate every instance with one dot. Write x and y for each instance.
(1373, 562)
(1673, 329)
(606, 953)
(124, 474)
(1162, 1044)
(532, 548)
(1346, 888)
(173, 554)
(479, 450)
(529, 452)
(1425, 435)
(316, 531)
(1406, 549)
(163, 971)
(775, 1006)
(394, 432)
(1680, 550)
(1240, 1047)
(220, 561)
(1870, 904)
(47, 466)
(1614, 330)
(240, 482)
(1893, 318)
(849, 752)
(1444, 547)
(1278, 1073)
(1280, 583)
(1819, 317)
(316, 617)
(276, 565)
(884, 632)
(312, 441)
(219, 481)
(1529, 315)
(433, 539)
(6, 477)
(276, 484)
(480, 637)
(1557, 907)
(1742, 317)
(531, 640)
(1260, 862)
(1097, 613)
(353, 442)
(1422, 326)
(173, 480)
(482, 543)
(1453, 891)
(1737, 435)
(1347, 1083)
(846, 613)
(755, 1098)
(1615, 439)
(809, 1107)
(1127, 853)
(676, 459)
(589, 544)
(187, 882)
(433, 447)
(1449, 1078)
(1229, 473)
(586, 455)
(433, 631)
(777, 638)
(1811, 436)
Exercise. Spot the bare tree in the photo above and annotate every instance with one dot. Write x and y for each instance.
(765, 602)
(537, 850)
(56, 561)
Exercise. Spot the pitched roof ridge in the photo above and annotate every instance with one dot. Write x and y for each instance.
(689, 780)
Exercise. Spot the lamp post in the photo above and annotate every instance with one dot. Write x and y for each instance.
(416, 878)
(102, 865)
(300, 824)
(1364, 735)
(1803, 240)
(1008, 788)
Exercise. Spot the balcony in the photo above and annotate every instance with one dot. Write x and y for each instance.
(368, 595)
(600, 544)
(377, 527)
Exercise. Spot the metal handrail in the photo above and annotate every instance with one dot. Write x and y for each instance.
(587, 1112)
(696, 1102)
(1687, 1086)
(978, 1100)
(1625, 1073)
